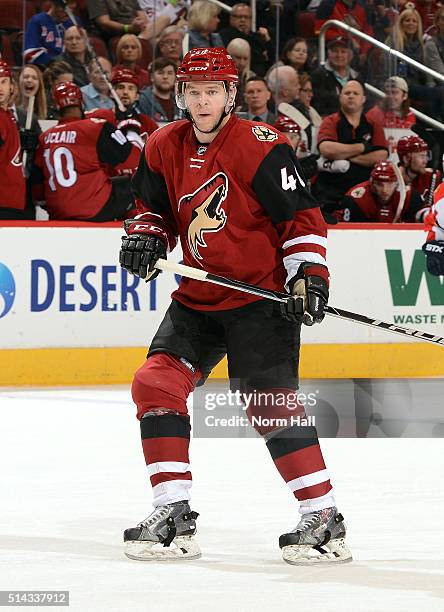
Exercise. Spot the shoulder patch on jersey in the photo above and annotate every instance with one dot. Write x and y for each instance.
(358, 192)
(264, 134)
(97, 119)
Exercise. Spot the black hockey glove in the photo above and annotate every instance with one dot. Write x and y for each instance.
(139, 254)
(434, 252)
(130, 125)
(128, 113)
(309, 165)
(29, 140)
(310, 285)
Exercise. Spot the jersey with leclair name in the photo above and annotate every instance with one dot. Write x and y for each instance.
(239, 205)
(361, 205)
(73, 156)
(12, 182)
(434, 221)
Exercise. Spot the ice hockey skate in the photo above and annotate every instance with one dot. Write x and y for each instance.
(318, 539)
(166, 535)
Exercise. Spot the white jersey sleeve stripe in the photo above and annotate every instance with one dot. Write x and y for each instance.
(309, 238)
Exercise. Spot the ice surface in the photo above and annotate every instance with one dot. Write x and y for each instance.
(73, 478)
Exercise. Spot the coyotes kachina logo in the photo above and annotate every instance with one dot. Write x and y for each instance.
(207, 214)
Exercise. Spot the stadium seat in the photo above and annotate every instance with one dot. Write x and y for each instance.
(6, 50)
(305, 24)
(99, 46)
(11, 14)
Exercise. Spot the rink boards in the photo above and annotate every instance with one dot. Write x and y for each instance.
(70, 315)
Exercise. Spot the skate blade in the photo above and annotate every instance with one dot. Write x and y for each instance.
(182, 547)
(334, 552)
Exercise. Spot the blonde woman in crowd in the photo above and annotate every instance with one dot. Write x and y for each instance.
(129, 54)
(203, 22)
(31, 84)
(240, 51)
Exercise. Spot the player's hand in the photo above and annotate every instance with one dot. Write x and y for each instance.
(139, 254)
(434, 252)
(129, 113)
(29, 140)
(311, 285)
(129, 125)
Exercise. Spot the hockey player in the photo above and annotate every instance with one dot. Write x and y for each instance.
(126, 84)
(73, 156)
(136, 126)
(413, 156)
(378, 200)
(233, 192)
(434, 222)
(298, 141)
(13, 192)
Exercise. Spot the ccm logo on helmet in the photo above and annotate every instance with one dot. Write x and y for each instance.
(195, 68)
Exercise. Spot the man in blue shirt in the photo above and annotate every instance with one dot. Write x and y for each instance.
(96, 94)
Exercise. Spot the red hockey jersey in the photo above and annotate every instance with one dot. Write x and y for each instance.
(422, 183)
(360, 204)
(434, 221)
(239, 205)
(73, 157)
(12, 182)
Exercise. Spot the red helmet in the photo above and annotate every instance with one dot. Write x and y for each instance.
(384, 172)
(410, 144)
(285, 124)
(124, 75)
(207, 65)
(67, 94)
(5, 70)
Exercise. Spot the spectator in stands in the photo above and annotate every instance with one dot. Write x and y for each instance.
(114, 18)
(394, 110)
(378, 200)
(284, 85)
(96, 94)
(76, 54)
(306, 97)
(260, 42)
(129, 54)
(328, 80)
(257, 96)
(44, 34)
(13, 198)
(295, 54)
(350, 144)
(169, 45)
(413, 153)
(427, 11)
(162, 13)
(203, 21)
(57, 72)
(158, 101)
(350, 12)
(434, 46)
(407, 37)
(380, 20)
(240, 51)
(31, 84)
(83, 190)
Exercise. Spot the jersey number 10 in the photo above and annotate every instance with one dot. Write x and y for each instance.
(61, 169)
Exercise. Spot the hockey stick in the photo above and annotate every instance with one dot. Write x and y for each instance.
(277, 296)
(294, 114)
(402, 192)
(28, 123)
(93, 54)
